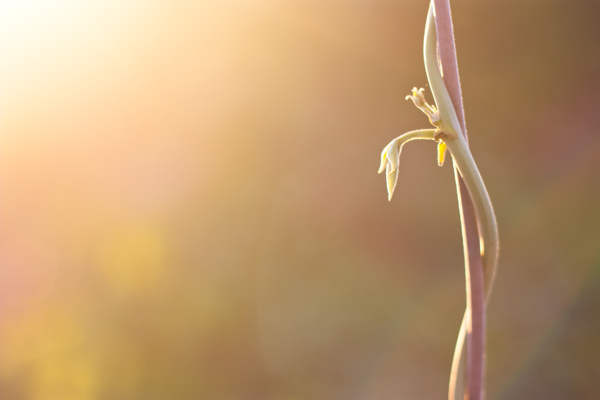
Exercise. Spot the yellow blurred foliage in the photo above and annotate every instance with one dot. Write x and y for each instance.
(132, 258)
(50, 344)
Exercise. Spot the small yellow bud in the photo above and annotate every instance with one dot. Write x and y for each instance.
(442, 148)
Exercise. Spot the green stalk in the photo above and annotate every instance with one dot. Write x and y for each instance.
(462, 156)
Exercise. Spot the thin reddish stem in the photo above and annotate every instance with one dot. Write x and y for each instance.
(473, 262)
(447, 54)
(475, 296)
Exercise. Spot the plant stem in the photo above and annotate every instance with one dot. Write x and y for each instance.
(475, 296)
(475, 317)
(447, 54)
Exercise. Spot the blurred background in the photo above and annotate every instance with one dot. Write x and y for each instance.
(190, 207)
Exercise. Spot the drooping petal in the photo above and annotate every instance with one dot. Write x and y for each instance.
(383, 164)
(392, 178)
(393, 155)
(390, 156)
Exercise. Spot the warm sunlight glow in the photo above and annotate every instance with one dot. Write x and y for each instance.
(189, 209)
